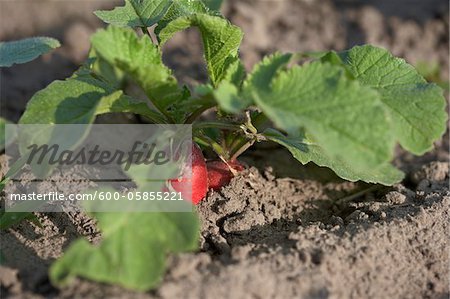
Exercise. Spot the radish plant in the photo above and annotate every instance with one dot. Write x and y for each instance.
(22, 51)
(342, 110)
(18, 52)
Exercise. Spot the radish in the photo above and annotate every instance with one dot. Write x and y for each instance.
(221, 173)
(198, 180)
(214, 175)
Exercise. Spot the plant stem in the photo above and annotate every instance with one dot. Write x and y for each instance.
(153, 38)
(196, 113)
(160, 109)
(145, 31)
(217, 148)
(242, 149)
(216, 124)
(242, 143)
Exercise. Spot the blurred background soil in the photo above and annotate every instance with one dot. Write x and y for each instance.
(277, 231)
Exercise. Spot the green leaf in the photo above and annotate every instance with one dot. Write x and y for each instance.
(102, 69)
(235, 72)
(417, 108)
(13, 170)
(346, 119)
(133, 249)
(228, 98)
(136, 13)
(221, 41)
(228, 93)
(306, 151)
(72, 101)
(8, 219)
(6, 138)
(118, 102)
(213, 4)
(134, 245)
(142, 61)
(181, 8)
(77, 100)
(25, 50)
(234, 96)
(263, 72)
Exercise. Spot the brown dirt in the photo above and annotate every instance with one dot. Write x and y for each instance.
(280, 230)
(267, 237)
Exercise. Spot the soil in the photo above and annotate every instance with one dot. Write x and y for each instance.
(279, 230)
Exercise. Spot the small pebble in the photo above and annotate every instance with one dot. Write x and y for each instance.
(395, 198)
(434, 171)
(357, 216)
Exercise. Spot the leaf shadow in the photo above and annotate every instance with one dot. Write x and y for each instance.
(283, 165)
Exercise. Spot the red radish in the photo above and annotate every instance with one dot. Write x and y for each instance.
(220, 174)
(199, 178)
